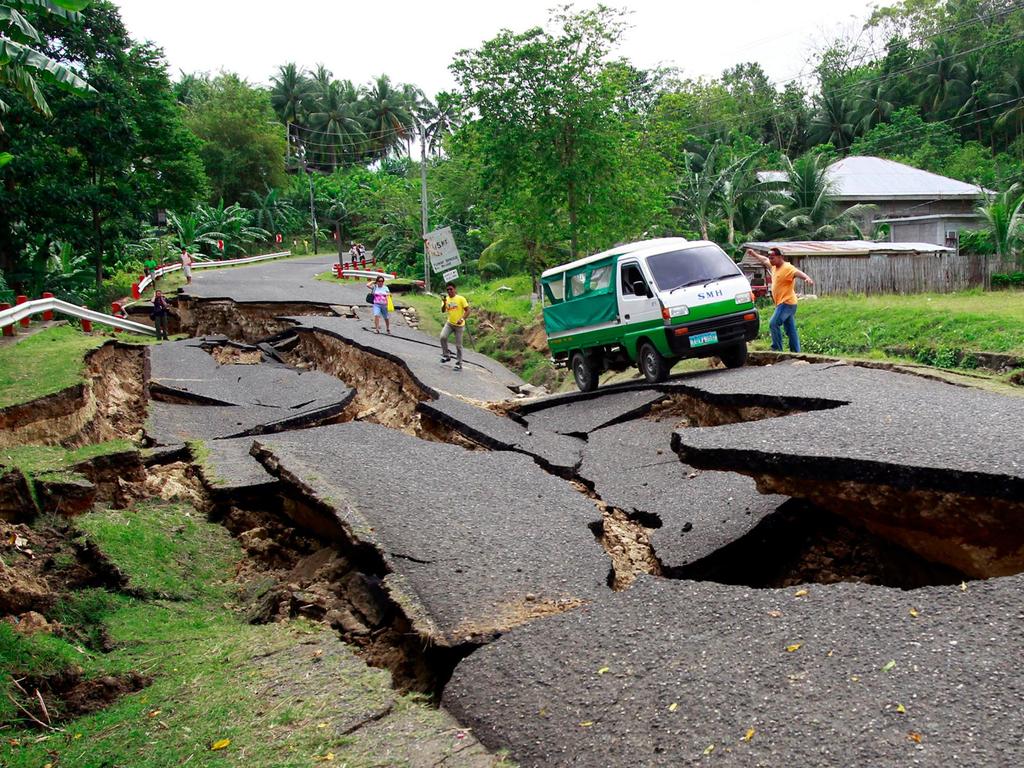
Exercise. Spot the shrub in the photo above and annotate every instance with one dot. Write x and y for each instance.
(1008, 280)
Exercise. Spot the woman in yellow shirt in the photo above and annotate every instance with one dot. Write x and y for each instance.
(784, 276)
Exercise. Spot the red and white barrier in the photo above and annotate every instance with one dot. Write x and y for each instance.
(23, 311)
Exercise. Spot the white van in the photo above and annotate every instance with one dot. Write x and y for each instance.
(648, 303)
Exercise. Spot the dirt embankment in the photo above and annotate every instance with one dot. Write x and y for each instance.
(245, 322)
(108, 405)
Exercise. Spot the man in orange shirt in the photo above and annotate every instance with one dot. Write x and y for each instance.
(784, 275)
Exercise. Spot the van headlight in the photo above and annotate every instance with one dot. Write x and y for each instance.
(682, 309)
(744, 298)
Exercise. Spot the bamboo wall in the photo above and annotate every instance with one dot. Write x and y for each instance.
(896, 273)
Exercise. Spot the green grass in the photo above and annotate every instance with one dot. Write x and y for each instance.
(281, 693)
(42, 364)
(35, 459)
(159, 546)
(49, 361)
(936, 329)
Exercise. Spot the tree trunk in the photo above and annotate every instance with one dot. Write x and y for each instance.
(571, 202)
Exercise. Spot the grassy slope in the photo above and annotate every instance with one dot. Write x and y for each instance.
(971, 321)
(265, 688)
(49, 361)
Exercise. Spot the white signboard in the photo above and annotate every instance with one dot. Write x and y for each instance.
(451, 275)
(441, 249)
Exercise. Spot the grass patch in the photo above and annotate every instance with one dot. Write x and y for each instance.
(282, 694)
(36, 459)
(937, 328)
(45, 363)
(160, 547)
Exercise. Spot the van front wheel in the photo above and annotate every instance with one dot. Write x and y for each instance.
(734, 356)
(584, 371)
(653, 366)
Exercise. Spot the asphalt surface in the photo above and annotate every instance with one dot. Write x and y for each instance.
(461, 565)
(684, 673)
(556, 451)
(583, 416)
(694, 512)
(282, 280)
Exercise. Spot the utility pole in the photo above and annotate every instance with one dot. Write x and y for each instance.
(423, 206)
(312, 207)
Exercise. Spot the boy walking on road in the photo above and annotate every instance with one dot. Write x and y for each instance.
(457, 309)
(784, 276)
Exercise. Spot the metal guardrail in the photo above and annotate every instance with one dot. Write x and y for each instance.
(22, 311)
(147, 281)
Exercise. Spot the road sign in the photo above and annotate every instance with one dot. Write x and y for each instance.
(451, 275)
(441, 249)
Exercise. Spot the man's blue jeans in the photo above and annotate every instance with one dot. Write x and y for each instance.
(784, 317)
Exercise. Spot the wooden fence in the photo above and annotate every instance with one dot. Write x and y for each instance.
(896, 273)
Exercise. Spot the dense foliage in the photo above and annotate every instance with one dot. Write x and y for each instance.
(549, 147)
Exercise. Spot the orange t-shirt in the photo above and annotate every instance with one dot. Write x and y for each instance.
(783, 278)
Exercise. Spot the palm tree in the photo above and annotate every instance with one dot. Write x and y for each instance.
(738, 186)
(290, 92)
(943, 70)
(834, 121)
(389, 118)
(1004, 220)
(806, 208)
(337, 120)
(21, 64)
(270, 212)
(698, 187)
(1011, 99)
(873, 106)
(967, 90)
(439, 120)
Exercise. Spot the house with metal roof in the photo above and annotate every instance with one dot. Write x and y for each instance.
(918, 206)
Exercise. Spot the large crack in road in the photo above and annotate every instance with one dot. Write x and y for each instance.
(423, 527)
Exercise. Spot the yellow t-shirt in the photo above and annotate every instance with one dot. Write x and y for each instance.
(456, 307)
(783, 278)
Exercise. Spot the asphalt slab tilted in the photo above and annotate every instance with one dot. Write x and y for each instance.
(461, 564)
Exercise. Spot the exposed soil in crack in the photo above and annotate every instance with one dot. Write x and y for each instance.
(626, 540)
(685, 410)
(386, 393)
(110, 404)
(246, 322)
(803, 544)
(226, 354)
(301, 562)
(65, 695)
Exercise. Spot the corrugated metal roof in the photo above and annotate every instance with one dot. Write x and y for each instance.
(874, 178)
(844, 247)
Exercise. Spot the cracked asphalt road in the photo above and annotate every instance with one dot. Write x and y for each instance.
(674, 672)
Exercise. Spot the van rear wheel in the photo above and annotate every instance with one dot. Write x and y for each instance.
(653, 365)
(734, 356)
(584, 371)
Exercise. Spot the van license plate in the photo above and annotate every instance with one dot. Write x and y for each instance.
(703, 339)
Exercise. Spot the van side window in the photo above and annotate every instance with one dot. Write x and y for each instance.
(554, 289)
(588, 280)
(631, 274)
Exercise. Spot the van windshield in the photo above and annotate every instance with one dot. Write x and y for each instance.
(691, 266)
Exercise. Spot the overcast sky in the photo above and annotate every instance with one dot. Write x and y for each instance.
(414, 42)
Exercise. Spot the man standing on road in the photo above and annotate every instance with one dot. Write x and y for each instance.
(457, 309)
(186, 265)
(784, 276)
(159, 315)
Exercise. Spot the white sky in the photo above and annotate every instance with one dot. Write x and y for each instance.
(414, 42)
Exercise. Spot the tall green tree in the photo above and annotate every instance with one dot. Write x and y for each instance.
(388, 115)
(290, 90)
(94, 174)
(243, 144)
(554, 118)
